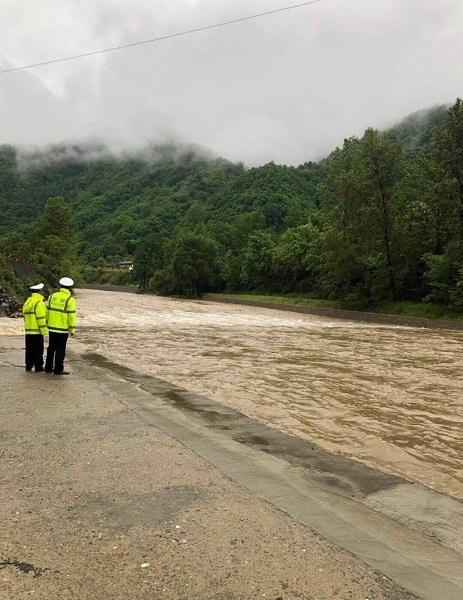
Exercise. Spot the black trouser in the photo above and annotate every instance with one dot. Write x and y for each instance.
(56, 352)
(34, 351)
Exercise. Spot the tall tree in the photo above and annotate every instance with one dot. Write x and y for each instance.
(148, 259)
(193, 266)
(447, 155)
(296, 259)
(445, 265)
(381, 160)
(345, 264)
(234, 239)
(52, 238)
(256, 271)
(419, 230)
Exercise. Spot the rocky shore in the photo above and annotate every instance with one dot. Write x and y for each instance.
(9, 305)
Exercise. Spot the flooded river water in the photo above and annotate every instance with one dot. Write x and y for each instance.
(389, 396)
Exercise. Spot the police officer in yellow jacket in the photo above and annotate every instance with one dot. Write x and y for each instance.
(34, 313)
(61, 322)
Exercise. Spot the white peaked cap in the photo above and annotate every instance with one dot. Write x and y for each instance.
(39, 286)
(66, 281)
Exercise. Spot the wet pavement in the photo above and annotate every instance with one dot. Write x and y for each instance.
(408, 532)
(105, 494)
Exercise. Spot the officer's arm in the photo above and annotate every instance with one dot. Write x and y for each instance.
(72, 316)
(41, 317)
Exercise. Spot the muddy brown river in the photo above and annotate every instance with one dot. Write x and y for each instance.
(388, 396)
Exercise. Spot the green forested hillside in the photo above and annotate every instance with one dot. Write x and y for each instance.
(417, 130)
(380, 219)
(114, 201)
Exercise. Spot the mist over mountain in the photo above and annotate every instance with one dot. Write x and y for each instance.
(94, 150)
(83, 172)
(417, 129)
(379, 218)
(287, 86)
(414, 130)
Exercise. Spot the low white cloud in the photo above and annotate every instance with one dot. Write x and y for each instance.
(287, 87)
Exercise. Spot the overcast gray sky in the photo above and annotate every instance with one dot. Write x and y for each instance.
(287, 87)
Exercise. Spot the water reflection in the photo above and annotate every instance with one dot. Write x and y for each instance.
(388, 396)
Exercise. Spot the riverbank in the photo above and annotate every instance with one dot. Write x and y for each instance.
(336, 313)
(96, 502)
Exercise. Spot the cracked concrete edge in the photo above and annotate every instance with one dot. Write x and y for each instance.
(422, 510)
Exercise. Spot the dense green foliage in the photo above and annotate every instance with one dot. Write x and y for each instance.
(10, 281)
(381, 219)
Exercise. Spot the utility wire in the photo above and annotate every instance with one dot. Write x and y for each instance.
(159, 39)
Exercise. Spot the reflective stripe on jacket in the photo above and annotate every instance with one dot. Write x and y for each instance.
(35, 315)
(61, 316)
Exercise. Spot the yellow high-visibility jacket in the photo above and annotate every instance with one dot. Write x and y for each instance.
(35, 315)
(61, 316)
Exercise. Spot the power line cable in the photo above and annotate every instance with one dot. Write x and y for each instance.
(159, 39)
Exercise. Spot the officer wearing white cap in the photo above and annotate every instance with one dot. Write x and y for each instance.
(66, 282)
(35, 325)
(61, 321)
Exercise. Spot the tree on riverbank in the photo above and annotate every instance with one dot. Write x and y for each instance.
(445, 266)
(48, 246)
